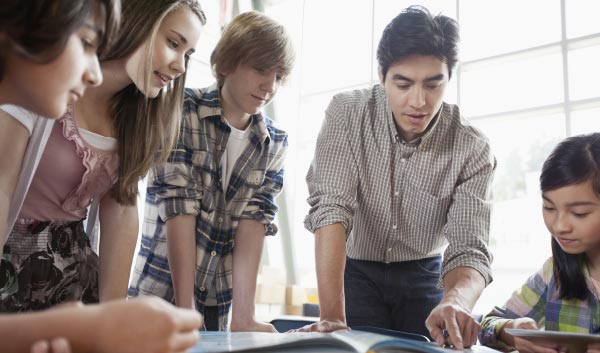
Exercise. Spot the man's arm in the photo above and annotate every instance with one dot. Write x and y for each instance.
(462, 287)
(118, 236)
(330, 259)
(467, 259)
(181, 245)
(249, 240)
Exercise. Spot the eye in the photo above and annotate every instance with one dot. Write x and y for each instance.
(432, 86)
(548, 208)
(87, 44)
(403, 87)
(172, 43)
(580, 214)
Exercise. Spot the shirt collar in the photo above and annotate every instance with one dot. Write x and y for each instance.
(210, 106)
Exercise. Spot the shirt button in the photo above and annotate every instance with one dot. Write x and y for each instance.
(218, 147)
(213, 253)
(389, 249)
(394, 226)
(396, 193)
(220, 220)
(202, 289)
(403, 160)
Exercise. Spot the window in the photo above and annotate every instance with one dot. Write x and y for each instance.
(526, 78)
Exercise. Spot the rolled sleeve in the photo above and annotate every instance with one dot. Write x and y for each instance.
(468, 224)
(332, 177)
(176, 186)
(262, 206)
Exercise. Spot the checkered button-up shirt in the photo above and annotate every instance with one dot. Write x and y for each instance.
(190, 184)
(402, 201)
(538, 299)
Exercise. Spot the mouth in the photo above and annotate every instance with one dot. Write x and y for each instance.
(565, 241)
(261, 100)
(74, 96)
(416, 117)
(164, 79)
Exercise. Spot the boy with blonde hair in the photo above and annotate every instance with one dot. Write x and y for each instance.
(219, 185)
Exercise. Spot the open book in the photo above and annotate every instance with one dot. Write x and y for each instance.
(340, 341)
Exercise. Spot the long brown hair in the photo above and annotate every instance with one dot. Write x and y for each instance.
(39, 29)
(146, 128)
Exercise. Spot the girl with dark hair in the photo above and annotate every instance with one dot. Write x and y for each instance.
(563, 295)
(48, 57)
(93, 157)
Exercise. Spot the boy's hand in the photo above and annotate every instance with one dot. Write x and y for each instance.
(251, 326)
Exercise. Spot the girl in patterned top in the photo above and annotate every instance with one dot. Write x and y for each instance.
(563, 295)
(94, 155)
(38, 75)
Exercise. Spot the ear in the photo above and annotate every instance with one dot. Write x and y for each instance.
(381, 78)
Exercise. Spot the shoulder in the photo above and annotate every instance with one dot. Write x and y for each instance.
(462, 127)
(23, 116)
(208, 97)
(276, 134)
(354, 105)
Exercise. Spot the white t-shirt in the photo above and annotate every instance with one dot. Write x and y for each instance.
(238, 141)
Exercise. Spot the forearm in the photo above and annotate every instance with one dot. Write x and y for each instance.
(119, 231)
(463, 285)
(181, 245)
(19, 331)
(330, 255)
(116, 255)
(249, 241)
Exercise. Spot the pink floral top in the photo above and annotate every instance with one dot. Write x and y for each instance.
(76, 167)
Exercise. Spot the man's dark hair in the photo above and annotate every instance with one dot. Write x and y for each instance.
(416, 32)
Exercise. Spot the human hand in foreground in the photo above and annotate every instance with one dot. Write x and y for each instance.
(323, 326)
(145, 324)
(450, 323)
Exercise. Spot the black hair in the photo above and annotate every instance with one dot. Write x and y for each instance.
(416, 32)
(575, 160)
(39, 29)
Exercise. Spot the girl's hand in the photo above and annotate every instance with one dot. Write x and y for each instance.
(521, 344)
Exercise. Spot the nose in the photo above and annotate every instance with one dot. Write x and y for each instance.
(178, 64)
(561, 223)
(417, 97)
(269, 82)
(92, 76)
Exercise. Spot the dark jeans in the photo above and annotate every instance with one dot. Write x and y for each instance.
(397, 296)
(211, 318)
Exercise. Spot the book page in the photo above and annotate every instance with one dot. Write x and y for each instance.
(221, 342)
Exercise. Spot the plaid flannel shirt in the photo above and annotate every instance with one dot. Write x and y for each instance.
(538, 300)
(190, 184)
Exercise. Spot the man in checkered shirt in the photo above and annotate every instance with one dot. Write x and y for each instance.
(397, 177)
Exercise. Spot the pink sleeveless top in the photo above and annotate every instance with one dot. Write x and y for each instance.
(72, 172)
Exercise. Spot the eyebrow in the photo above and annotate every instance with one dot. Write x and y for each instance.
(184, 40)
(574, 204)
(398, 77)
(94, 28)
